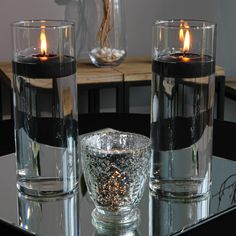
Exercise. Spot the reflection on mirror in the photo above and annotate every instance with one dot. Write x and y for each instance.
(61, 216)
(51, 216)
(115, 232)
(171, 215)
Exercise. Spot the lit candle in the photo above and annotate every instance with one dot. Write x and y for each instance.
(184, 64)
(44, 64)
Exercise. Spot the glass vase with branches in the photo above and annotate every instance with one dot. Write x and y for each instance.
(108, 47)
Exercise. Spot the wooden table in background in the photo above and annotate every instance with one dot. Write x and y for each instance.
(134, 71)
(230, 87)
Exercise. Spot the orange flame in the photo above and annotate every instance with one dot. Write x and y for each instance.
(43, 43)
(184, 35)
(186, 41)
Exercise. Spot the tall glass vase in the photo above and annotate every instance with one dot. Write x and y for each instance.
(106, 32)
(45, 107)
(183, 90)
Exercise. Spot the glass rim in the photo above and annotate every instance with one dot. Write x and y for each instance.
(47, 24)
(192, 24)
(145, 144)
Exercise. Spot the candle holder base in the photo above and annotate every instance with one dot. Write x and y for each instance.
(47, 187)
(180, 189)
(118, 222)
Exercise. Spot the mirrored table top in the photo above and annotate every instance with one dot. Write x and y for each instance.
(71, 214)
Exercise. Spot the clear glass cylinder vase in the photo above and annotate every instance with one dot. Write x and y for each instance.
(45, 107)
(106, 32)
(183, 88)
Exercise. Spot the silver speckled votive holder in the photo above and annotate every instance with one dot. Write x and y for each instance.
(116, 167)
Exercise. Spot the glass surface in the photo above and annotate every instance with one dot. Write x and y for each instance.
(174, 215)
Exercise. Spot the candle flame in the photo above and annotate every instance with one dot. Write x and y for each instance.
(43, 43)
(186, 41)
(181, 34)
(184, 35)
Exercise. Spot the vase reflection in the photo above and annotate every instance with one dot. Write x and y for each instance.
(172, 215)
(51, 216)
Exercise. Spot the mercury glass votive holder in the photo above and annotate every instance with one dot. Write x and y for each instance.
(116, 167)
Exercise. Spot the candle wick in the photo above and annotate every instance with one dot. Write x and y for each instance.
(184, 54)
